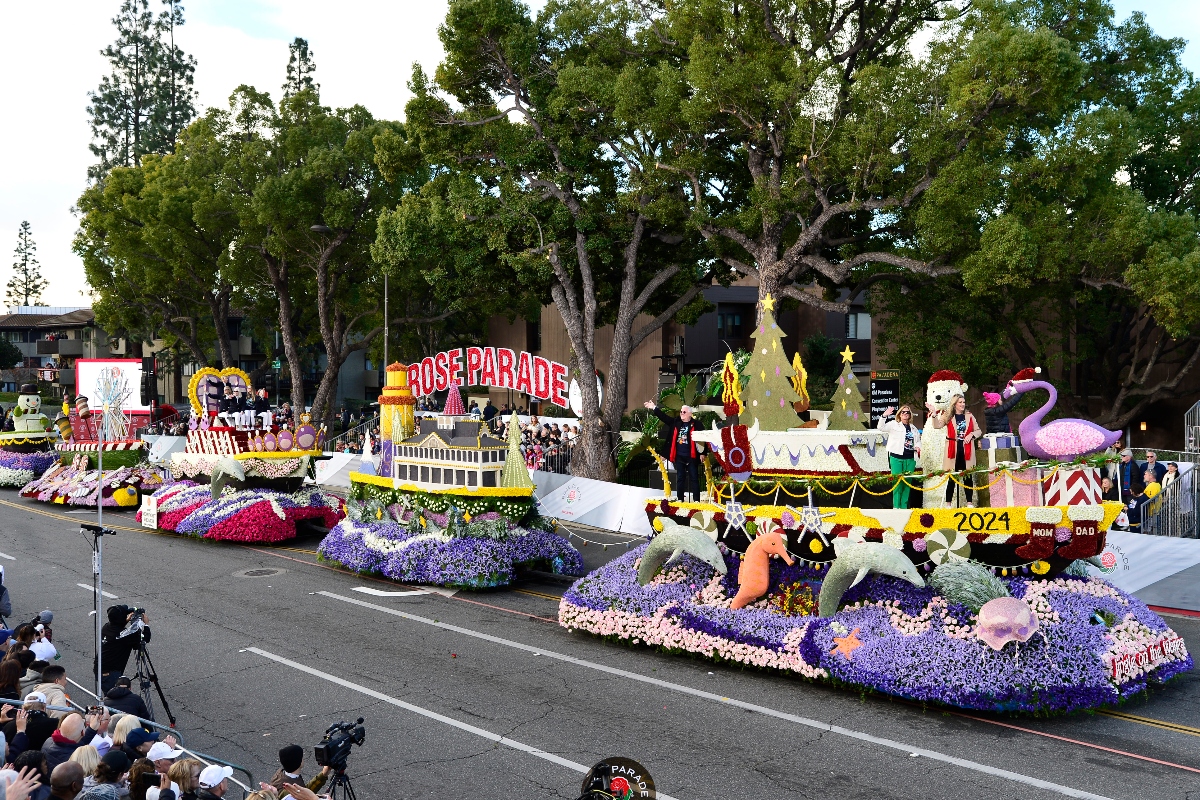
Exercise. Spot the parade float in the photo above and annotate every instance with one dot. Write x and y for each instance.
(85, 438)
(240, 482)
(451, 504)
(28, 449)
(795, 559)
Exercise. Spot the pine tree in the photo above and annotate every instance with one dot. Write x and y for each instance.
(148, 98)
(26, 285)
(515, 474)
(769, 394)
(300, 69)
(847, 414)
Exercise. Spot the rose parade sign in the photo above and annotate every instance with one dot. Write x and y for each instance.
(491, 366)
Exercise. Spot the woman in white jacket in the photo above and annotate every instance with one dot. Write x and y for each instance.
(903, 446)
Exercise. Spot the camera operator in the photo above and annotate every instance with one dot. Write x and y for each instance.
(291, 759)
(125, 630)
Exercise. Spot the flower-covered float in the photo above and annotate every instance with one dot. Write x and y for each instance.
(988, 607)
(408, 541)
(242, 481)
(452, 506)
(76, 483)
(239, 515)
(27, 450)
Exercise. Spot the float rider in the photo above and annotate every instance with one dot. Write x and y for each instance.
(682, 448)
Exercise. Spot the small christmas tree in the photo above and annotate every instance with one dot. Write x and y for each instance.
(515, 474)
(769, 393)
(847, 414)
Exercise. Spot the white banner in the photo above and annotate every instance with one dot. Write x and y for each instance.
(1134, 561)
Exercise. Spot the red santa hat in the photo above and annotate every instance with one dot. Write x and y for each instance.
(945, 375)
(1024, 375)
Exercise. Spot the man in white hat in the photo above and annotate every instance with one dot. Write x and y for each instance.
(214, 781)
(163, 757)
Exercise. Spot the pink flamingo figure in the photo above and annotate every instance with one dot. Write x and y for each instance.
(1062, 439)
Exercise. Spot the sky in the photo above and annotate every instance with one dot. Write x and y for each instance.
(364, 51)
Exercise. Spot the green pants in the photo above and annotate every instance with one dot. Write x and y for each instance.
(901, 466)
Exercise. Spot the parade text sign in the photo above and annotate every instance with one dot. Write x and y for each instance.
(491, 366)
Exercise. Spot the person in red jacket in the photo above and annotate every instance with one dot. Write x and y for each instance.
(682, 449)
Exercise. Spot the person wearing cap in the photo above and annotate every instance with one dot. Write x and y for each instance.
(118, 640)
(214, 782)
(42, 647)
(163, 757)
(1127, 471)
(31, 722)
(683, 450)
(109, 778)
(122, 698)
(139, 741)
(291, 759)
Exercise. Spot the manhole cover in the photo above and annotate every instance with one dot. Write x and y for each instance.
(257, 573)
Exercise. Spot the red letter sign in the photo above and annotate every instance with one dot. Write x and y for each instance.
(558, 384)
(504, 368)
(474, 362)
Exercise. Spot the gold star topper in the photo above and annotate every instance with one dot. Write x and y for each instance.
(847, 355)
(768, 303)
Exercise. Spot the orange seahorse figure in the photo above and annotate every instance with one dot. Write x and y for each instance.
(754, 576)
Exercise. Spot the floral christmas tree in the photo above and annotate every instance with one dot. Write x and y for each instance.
(847, 414)
(769, 394)
(515, 474)
(454, 403)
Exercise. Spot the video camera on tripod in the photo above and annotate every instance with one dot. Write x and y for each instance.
(334, 749)
(136, 623)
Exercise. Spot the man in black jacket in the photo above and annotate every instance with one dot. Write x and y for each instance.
(37, 725)
(118, 638)
(682, 450)
(122, 698)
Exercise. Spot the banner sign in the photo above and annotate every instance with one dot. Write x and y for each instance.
(885, 391)
(491, 366)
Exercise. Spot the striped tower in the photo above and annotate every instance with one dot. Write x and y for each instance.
(396, 419)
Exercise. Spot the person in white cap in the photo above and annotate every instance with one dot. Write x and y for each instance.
(162, 757)
(43, 649)
(214, 781)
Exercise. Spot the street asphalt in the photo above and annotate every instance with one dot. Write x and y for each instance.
(483, 695)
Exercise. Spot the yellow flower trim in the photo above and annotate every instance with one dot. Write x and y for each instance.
(657, 524)
(1040, 567)
(216, 373)
(485, 491)
(816, 546)
(274, 454)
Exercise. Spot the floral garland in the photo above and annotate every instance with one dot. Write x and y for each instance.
(248, 515)
(79, 486)
(893, 637)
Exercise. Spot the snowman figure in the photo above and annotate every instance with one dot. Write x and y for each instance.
(27, 415)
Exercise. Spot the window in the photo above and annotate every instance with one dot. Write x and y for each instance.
(460, 477)
(729, 325)
(858, 325)
(437, 475)
(472, 479)
(425, 474)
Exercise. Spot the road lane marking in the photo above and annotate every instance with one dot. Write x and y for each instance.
(382, 593)
(425, 712)
(6, 555)
(555, 597)
(92, 589)
(849, 733)
(1157, 723)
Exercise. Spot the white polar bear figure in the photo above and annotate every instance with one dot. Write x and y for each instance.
(942, 387)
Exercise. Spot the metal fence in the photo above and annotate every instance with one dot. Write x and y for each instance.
(1173, 511)
(355, 436)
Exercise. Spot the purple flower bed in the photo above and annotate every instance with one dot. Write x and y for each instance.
(464, 555)
(912, 642)
(18, 469)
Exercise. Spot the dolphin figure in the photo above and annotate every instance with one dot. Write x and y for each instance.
(225, 469)
(674, 541)
(854, 561)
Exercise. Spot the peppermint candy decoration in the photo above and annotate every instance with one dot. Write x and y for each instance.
(946, 544)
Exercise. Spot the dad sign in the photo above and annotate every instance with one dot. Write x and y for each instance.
(491, 366)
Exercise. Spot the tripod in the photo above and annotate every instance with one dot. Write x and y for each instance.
(145, 678)
(341, 780)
